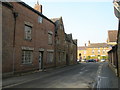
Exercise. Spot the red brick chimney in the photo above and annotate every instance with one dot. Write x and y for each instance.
(38, 7)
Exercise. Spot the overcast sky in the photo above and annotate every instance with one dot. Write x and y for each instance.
(85, 19)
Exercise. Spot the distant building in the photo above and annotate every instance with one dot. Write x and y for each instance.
(94, 51)
(82, 52)
(98, 50)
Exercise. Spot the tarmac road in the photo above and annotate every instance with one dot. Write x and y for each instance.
(82, 75)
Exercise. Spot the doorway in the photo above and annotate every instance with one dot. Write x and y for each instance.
(40, 60)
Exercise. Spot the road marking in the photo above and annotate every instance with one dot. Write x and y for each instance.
(83, 68)
(80, 72)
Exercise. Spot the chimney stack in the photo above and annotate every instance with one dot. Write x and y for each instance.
(85, 44)
(38, 7)
(88, 42)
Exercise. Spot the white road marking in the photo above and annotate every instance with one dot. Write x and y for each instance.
(83, 68)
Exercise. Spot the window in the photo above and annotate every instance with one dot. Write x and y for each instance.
(27, 56)
(39, 19)
(61, 26)
(103, 51)
(93, 51)
(28, 32)
(84, 52)
(98, 51)
(49, 38)
(49, 57)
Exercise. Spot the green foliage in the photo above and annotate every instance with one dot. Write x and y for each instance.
(96, 57)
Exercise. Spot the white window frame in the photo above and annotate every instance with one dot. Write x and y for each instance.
(27, 56)
(50, 39)
(50, 57)
(28, 32)
(85, 52)
(98, 51)
(93, 51)
(40, 19)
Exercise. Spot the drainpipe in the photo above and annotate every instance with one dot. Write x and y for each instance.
(15, 15)
(117, 50)
(55, 38)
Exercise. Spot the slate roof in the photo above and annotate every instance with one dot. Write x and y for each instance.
(54, 19)
(68, 37)
(81, 48)
(98, 45)
(112, 35)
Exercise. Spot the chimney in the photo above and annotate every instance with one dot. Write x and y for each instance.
(85, 44)
(88, 42)
(38, 7)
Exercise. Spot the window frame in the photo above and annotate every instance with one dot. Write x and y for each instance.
(26, 54)
(26, 33)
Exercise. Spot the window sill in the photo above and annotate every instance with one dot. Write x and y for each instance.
(26, 64)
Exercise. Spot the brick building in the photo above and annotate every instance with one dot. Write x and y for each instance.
(113, 59)
(118, 50)
(31, 41)
(113, 53)
(28, 38)
(112, 37)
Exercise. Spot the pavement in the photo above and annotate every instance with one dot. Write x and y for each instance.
(106, 78)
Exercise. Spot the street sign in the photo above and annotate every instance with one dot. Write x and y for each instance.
(117, 8)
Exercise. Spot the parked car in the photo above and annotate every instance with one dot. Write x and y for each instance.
(91, 60)
(96, 60)
(102, 60)
(83, 60)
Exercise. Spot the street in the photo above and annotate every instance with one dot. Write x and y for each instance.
(83, 75)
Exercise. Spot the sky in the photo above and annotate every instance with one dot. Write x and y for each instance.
(85, 19)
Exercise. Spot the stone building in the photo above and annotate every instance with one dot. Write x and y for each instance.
(82, 52)
(98, 50)
(28, 38)
(94, 51)
(71, 49)
(60, 52)
(65, 46)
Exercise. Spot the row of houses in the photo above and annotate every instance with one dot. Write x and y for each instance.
(98, 50)
(114, 56)
(31, 41)
(114, 53)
